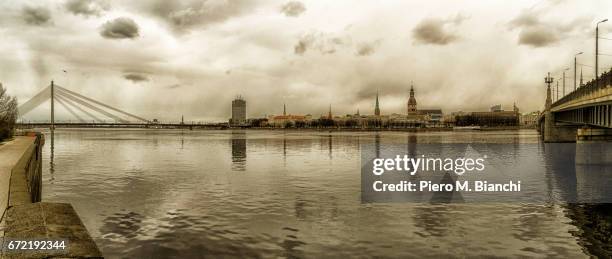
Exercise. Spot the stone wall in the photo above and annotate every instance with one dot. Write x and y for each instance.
(25, 217)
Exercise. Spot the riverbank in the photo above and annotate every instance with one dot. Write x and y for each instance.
(25, 217)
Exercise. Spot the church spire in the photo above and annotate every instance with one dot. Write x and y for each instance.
(284, 109)
(329, 114)
(514, 108)
(377, 108)
(412, 103)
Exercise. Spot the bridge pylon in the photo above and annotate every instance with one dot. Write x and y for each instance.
(549, 121)
(551, 131)
(52, 97)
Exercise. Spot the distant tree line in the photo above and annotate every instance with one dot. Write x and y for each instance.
(8, 114)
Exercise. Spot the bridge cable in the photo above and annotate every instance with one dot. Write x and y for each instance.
(105, 105)
(39, 98)
(80, 109)
(61, 102)
(90, 106)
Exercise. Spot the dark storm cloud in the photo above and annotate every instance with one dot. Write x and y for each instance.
(367, 48)
(301, 47)
(536, 33)
(120, 28)
(537, 37)
(321, 42)
(186, 14)
(36, 15)
(87, 7)
(136, 78)
(435, 31)
(293, 8)
(525, 19)
(367, 90)
(532, 32)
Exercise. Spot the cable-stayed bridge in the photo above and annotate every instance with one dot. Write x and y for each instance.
(91, 113)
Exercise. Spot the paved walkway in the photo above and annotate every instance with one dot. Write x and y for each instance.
(10, 154)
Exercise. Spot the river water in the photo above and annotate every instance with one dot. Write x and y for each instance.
(274, 193)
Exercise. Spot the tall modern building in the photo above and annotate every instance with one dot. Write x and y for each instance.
(412, 103)
(377, 109)
(238, 111)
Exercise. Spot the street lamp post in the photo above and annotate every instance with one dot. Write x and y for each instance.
(557, 90)
(548, 80)
(597, 48)
(564, 80)
(575, 68)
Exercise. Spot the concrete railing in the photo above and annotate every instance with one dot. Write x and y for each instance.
(24, 216)
(17, 160)
(33, 169)
(592, 89)
(26, 173)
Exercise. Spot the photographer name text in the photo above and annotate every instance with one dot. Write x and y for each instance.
(463, 186)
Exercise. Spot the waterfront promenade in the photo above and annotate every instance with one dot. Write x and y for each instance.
(25, 217)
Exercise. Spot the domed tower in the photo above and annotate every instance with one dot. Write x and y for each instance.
(412, 103)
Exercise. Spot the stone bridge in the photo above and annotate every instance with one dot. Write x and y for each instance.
(583, 115)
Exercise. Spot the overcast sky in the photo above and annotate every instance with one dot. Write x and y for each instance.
(161, 59)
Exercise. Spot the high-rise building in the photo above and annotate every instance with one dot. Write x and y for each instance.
(412, 103)
(377, 109)
(238, 111)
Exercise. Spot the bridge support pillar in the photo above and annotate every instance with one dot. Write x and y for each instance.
(551, 131)
(549, 124)
(558, 133)
(592, 135)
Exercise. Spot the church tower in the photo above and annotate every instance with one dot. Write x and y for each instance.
(412, 103)
(377, 109)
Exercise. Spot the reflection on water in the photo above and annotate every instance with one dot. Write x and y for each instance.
(51, 151)
(595, 231)
(174, 194)
(239, 153)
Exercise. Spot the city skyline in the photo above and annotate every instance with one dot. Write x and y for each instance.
(412, 109)
(308, 53)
